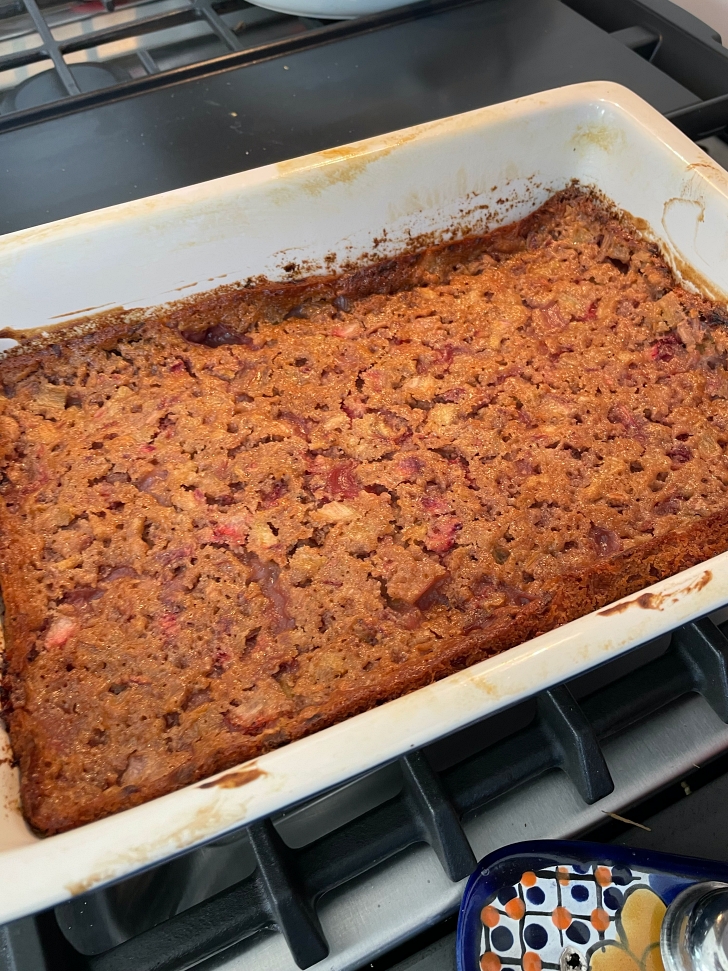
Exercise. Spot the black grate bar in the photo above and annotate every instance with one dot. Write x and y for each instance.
(225, 34)
(289, 907)
(285, 887)
(703, 648)
(136, 28)
(574, 737)
(644, 42)
(702, 120)
(500, 768)
(202, 10)
(440, 824)
(689, 54)
(636, 38)
(51, 48)
(618, 705)
(193, 935)
(21, 58)
(362, 846)
(147, 61)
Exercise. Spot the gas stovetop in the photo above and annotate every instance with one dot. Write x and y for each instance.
(169, 103)
(105, 102)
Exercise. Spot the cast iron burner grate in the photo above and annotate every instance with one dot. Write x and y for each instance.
(51, 53)
(61, 57)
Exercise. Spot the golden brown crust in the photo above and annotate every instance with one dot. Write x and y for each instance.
(234, 521)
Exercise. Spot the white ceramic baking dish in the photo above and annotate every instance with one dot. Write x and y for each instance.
(471, 171)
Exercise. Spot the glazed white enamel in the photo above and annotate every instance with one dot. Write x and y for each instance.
(449, 172)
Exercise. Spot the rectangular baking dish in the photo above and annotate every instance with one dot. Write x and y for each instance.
(360, 202)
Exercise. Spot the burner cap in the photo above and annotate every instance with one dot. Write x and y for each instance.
(46, 87)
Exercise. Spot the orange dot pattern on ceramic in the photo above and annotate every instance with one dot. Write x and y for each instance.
(599, 919)
(561, 918)
(603, 876)
(621, 933)
(531, 961)
(490, 916)
(515, 908)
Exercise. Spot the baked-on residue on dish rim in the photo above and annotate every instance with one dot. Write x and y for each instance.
(599, 133)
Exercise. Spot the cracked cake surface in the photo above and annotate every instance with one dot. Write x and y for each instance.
(234, 521)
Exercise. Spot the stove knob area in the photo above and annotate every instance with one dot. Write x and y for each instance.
(694, 934)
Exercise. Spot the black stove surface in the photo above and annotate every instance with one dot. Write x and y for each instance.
(436, 63)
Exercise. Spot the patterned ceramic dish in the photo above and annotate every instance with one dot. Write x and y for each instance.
(572, 906)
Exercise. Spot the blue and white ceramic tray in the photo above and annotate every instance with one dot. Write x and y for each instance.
(567, 905)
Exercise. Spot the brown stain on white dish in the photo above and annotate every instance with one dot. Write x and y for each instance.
(690, 276)
(596, 135)
(708, 165)
(683, 269)
(657, 601)
(697, 204)
(711, 168)
(233, 780)
(75, 313)
(343, 164)
(201, 824)
(487, 687)
(474, 219)
(211, 819)
(335, 165)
